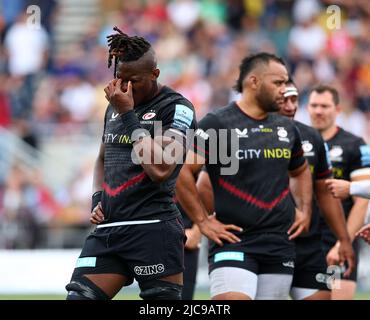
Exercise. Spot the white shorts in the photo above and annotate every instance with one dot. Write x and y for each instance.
(263, 286)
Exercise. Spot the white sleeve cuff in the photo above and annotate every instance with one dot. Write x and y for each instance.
(360, 189)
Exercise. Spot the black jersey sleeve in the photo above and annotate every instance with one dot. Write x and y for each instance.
(179, 116)
(297, 159)
(323, 169)
(360, 156)
(205, 134)
(105, 123)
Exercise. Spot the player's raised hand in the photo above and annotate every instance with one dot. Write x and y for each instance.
(119, 95)
(109, 89)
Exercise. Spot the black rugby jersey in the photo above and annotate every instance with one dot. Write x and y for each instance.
(256, 197)
(348, 153)
(315, 151)
(188, 223)
(128, 193)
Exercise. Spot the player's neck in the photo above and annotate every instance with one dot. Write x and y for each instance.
(329, 133)
(156, 89)
(250, 107)
(154, 92)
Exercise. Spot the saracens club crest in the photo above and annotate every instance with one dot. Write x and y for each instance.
(148, 115)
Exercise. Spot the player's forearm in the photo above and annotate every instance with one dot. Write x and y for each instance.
(205, 191)
(357, 216)
(188, 196)
(301, 188)
(158, 163)
(98, 177)
(332, 211)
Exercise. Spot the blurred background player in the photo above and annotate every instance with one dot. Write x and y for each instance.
(139, 233)
(343, 189)
(251, 255)
(310, 260)
(350, 159)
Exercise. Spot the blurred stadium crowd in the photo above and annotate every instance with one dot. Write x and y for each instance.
(53, 91)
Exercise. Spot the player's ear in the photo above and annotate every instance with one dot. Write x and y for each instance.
(155, 73)
(252, 81)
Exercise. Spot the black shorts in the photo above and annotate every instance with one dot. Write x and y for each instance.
(327, 244)
(310, 268)
(260, 253)
(142, 252)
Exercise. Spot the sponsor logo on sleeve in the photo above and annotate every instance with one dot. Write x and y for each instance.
(183, 116)
(365, 155)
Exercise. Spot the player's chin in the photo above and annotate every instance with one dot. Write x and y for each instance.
(318, 123)
(289, 114)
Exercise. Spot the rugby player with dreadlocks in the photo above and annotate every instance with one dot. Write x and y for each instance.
(139, 233)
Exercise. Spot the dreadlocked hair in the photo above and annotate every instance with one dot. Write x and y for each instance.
(125, 48)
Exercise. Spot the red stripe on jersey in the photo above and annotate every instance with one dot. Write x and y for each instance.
(249, 198)
(122, 187)
(326, 173)
(200, 149)
(298, 154)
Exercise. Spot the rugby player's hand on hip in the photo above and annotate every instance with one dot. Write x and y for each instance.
(300, 225)
(97, 214)
(217, 231)
(193, 237)
(346, 254)
(120, 95)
